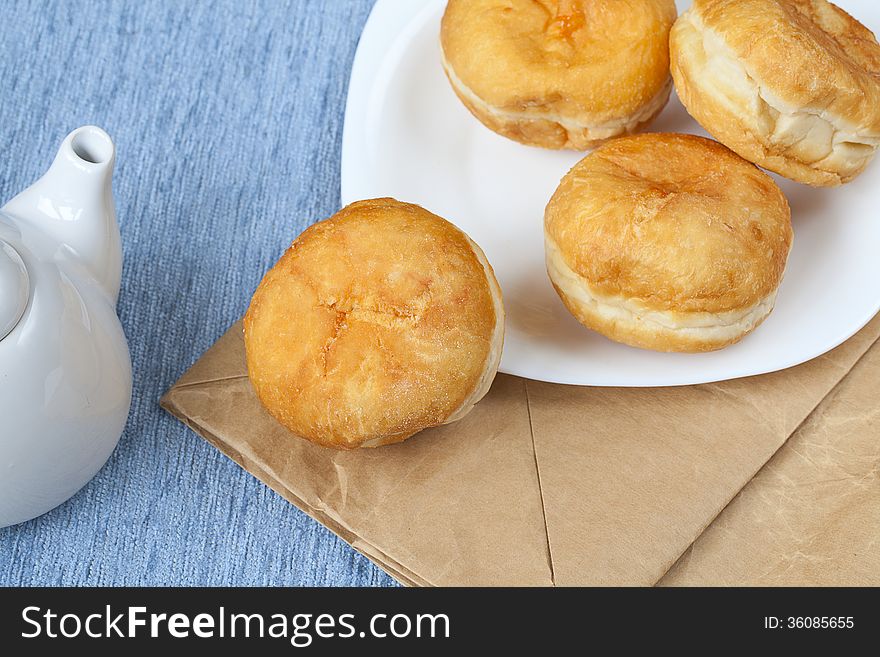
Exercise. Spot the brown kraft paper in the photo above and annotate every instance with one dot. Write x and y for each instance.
(545, 484)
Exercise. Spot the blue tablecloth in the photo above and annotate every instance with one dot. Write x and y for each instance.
(227, 118)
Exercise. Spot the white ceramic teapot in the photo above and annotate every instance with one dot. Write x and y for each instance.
(65, 370)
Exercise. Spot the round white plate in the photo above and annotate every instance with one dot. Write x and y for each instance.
(408, 136)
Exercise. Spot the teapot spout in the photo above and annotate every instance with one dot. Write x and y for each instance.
(73, 203)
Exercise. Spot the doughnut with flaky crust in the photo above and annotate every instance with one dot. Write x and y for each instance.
(376, 323)
(791, 85)
(559, 73)
(667, 242)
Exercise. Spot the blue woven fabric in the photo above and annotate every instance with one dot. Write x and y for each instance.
(227, 118)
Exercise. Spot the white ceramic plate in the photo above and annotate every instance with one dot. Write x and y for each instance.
(408, 136)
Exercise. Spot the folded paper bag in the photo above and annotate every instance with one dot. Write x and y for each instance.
(541, 484)
(812, 515)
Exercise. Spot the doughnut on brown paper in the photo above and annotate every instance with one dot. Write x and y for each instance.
(604, 486)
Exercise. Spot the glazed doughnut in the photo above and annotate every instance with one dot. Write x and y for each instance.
(559, 73)
(792, 85)
(667, 242)
(376, 323)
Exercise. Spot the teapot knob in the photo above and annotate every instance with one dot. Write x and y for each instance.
(14, 288)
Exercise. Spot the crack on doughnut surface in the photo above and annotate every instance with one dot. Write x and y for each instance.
(339, 323)
(378, 313)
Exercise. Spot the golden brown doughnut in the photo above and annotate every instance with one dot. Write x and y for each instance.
(667, 242)
(559, 73)
(376, 323)
(792, 85)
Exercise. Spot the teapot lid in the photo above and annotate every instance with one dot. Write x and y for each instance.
(14, 288)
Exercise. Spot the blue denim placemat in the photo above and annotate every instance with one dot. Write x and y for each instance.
(227, 117)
